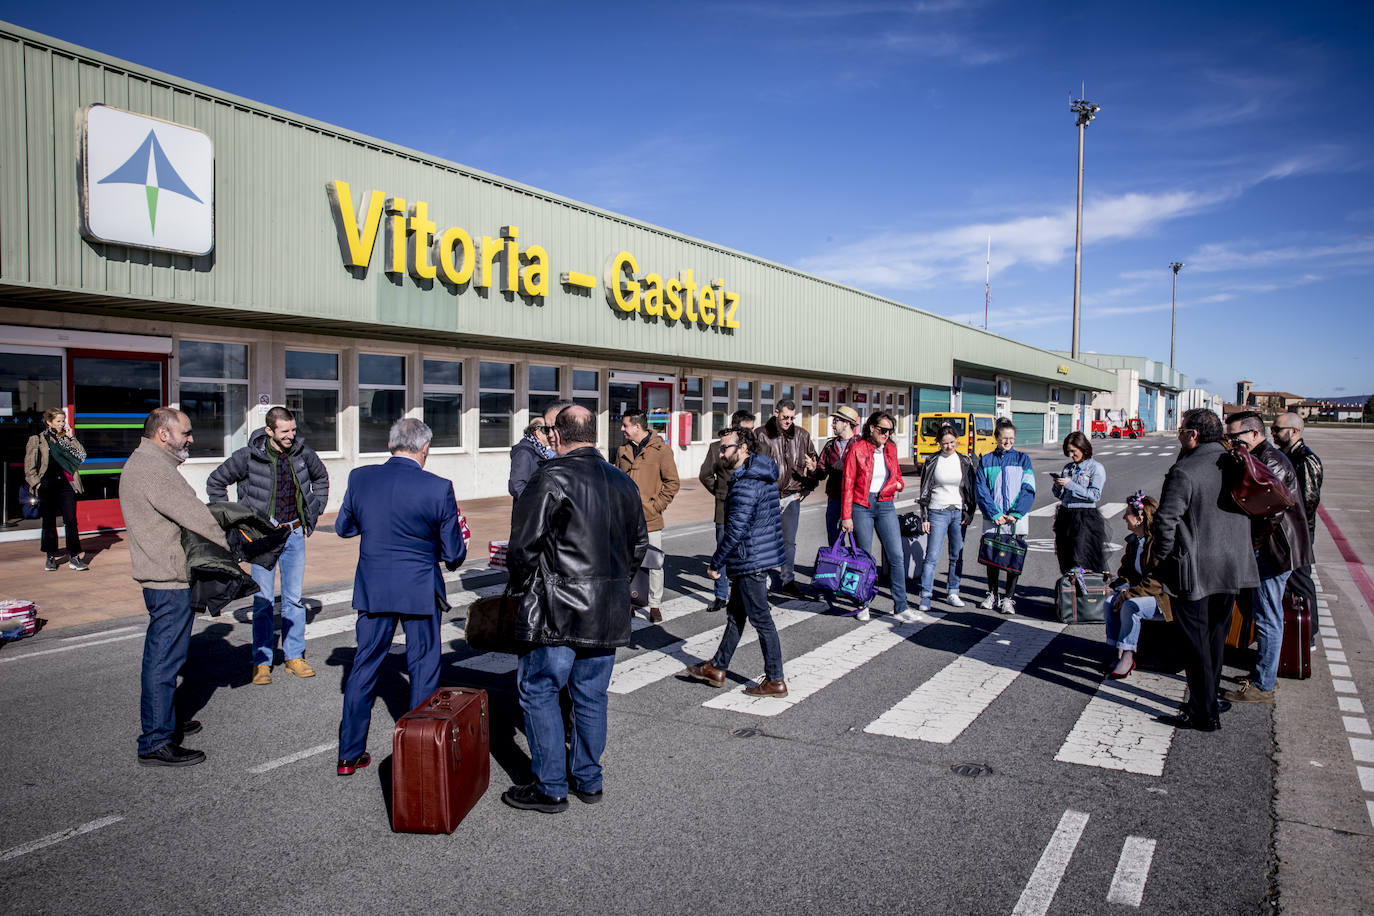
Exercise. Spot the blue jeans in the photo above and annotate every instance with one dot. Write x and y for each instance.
(1123, 619)
(164, 652)
(882, 518)
(540, 675)
(945, 524)
(832, 520)
(291, 563)
(722, 585)
(791, 518)
(1268, 610)
(749, 599)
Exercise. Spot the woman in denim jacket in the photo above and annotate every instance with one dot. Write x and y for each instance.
(1080, 531)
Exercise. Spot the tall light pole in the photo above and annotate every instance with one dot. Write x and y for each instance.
(1175, 266)
(1086, 111)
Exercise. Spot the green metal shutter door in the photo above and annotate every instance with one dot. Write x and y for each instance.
(1065, 425)
(931, 400)
(1030, 428)
(979, 403)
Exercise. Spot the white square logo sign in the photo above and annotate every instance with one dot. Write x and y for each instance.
(146, 182)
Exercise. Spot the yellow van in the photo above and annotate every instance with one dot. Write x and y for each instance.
(975, 431)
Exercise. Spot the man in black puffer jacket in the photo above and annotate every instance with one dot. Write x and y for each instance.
(280, 476)
(577, 537)
(752, 545)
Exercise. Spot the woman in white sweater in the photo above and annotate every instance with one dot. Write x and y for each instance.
(947, 504)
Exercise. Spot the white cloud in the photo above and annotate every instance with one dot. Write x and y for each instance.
(1222, 256)
(922, 259)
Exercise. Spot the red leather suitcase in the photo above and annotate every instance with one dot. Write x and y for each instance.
(1295, 655)
(441, 761)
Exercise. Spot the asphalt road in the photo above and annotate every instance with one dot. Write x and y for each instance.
(844, 799)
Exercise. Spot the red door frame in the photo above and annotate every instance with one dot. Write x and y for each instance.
(95, 514)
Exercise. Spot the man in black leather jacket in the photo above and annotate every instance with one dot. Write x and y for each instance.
(1288, 429)
(1281, 546)
(577, 537)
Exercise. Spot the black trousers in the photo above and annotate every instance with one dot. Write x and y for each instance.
(1203, 623)
(56, 495)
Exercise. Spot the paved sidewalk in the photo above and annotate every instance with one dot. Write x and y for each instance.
(67, 598)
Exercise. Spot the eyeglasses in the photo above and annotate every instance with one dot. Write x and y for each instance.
(1237, 437)
(884, 430)
(1276, 427)
(726, 448)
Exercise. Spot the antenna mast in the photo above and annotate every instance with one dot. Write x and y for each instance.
(987, 285)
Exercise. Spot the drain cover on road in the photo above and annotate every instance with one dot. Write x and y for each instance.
(745, 732)
(970, 769)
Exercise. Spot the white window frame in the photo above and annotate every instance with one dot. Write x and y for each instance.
(315, 384)
(460, 390)
(515, 429)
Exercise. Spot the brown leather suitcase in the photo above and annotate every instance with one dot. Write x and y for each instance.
(441, 761)
(1295, 653)
(1241, 632)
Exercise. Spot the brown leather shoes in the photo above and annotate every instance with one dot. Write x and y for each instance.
(655, 615)
(262, 675)
(767, 688)
(299, 668)
(707, 673)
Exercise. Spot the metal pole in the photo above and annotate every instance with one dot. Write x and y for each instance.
(1085, 111)
(1176, 266)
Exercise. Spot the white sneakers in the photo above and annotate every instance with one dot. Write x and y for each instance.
(863, 615)
(953, 600)
(988, 602)
(1007, 606)
(909, 616)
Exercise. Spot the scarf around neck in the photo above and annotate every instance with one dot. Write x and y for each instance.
(67, 452)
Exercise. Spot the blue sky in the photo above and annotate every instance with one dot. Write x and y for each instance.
(881, 144)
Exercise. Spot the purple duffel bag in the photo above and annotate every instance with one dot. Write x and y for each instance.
(844, 569)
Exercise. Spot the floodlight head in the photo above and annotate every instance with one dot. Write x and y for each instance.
(1085, 110)
(1177, 266)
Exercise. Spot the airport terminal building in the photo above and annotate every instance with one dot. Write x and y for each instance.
(164, 242)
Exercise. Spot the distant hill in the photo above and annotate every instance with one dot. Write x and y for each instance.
(1350, 400)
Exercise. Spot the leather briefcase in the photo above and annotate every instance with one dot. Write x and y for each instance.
(490, 625)
(1082, 598)
(441, 761)
(1003, 551)
(1255, 489)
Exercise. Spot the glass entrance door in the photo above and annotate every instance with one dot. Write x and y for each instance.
(110, 396)
(657, 403)
(30, 383)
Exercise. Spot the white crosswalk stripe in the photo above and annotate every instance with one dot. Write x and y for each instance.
(657, 664)
(941, 708)
(1111, 510)
(824, 665)
(1117, 729)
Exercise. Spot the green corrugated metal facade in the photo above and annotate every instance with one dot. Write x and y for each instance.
(277, 261)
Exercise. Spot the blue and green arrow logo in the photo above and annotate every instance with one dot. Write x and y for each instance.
(150, 167)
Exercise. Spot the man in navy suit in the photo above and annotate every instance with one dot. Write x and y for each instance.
(408, 519)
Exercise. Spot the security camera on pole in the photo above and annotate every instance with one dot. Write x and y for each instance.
(1086, 111)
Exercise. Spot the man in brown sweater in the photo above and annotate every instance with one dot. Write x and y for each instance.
(158, 503)
(649, 462)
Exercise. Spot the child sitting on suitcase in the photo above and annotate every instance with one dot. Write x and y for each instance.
(1136, 596)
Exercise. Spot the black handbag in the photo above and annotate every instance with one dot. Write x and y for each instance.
(910, 523)
(28, 502)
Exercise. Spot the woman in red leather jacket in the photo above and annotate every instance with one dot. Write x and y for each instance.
(872, 479)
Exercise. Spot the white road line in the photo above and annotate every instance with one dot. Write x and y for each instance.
(824, 665)
(1369, 806)
(941, 708)
(1335, 655)
(1350, 704)
(657, 664)
(1043, 511)
(1117, 729)
(1128, 883)
(80, 645)
(1110, 510)
(1366, 775)
(292, 758)
(15, 852)
(1356, 725)
(1338, 686)
(1341, 671)
(1049, 871)
(87, 636)
(1362, 749)
(504, 663)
